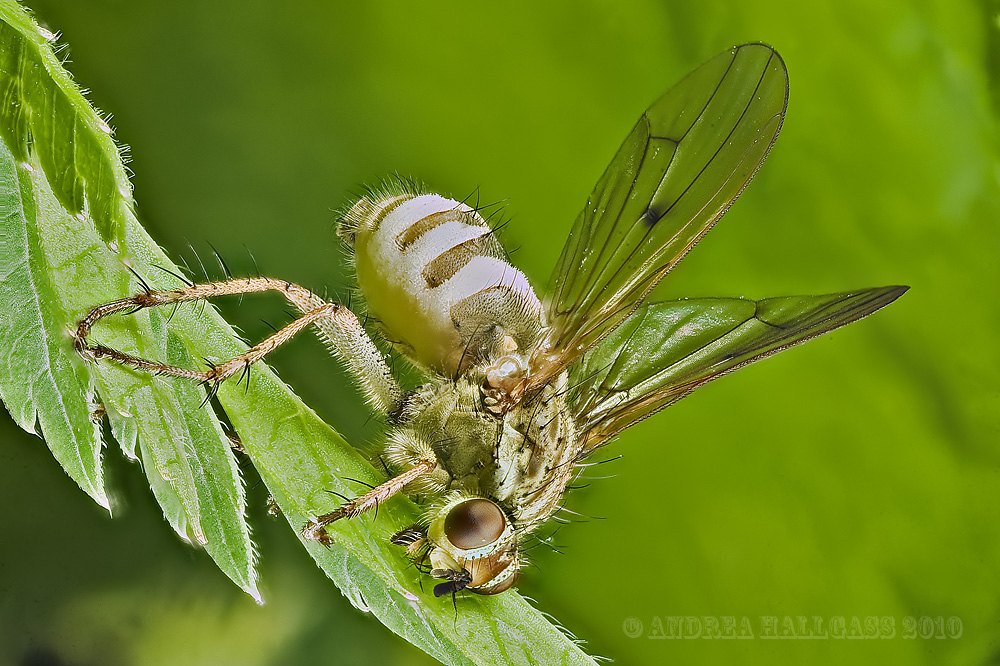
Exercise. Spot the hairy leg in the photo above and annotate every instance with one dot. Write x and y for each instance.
(316, 529)
(337, 325)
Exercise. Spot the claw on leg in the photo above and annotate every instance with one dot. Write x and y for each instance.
(316, 531)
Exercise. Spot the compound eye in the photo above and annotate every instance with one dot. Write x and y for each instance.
(474, 523)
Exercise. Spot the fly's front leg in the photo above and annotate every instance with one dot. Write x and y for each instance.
(406, 450)
(315, 530)
(337, 325)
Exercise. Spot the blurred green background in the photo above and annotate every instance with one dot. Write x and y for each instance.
(857, 476)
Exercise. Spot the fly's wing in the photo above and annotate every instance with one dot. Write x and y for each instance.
(666, 350)
(685, 162)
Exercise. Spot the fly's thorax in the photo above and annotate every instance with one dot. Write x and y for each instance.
(497, 478)
(448, 419)
(534, 468)
(433, 273)
(523, 458)
(471, 539)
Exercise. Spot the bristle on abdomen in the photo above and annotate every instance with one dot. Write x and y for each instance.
(434, 274)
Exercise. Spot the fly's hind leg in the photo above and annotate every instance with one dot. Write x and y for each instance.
(336, 324)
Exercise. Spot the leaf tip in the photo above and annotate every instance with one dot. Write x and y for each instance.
(254, 591)
(102, 500)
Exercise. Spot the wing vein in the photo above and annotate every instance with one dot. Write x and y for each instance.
(677, 143)
(701, 172)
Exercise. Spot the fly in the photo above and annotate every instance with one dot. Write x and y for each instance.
(519, 390)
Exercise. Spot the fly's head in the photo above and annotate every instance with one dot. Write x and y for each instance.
(471, 545)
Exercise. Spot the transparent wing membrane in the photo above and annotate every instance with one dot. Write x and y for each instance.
(666, 350)
(679, 170)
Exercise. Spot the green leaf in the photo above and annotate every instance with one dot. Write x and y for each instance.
(216, 477)
(43, 112)
(182, 445)
(183, 449)
(40, 380)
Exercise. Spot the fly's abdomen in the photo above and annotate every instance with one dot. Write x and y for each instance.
(437, 278)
